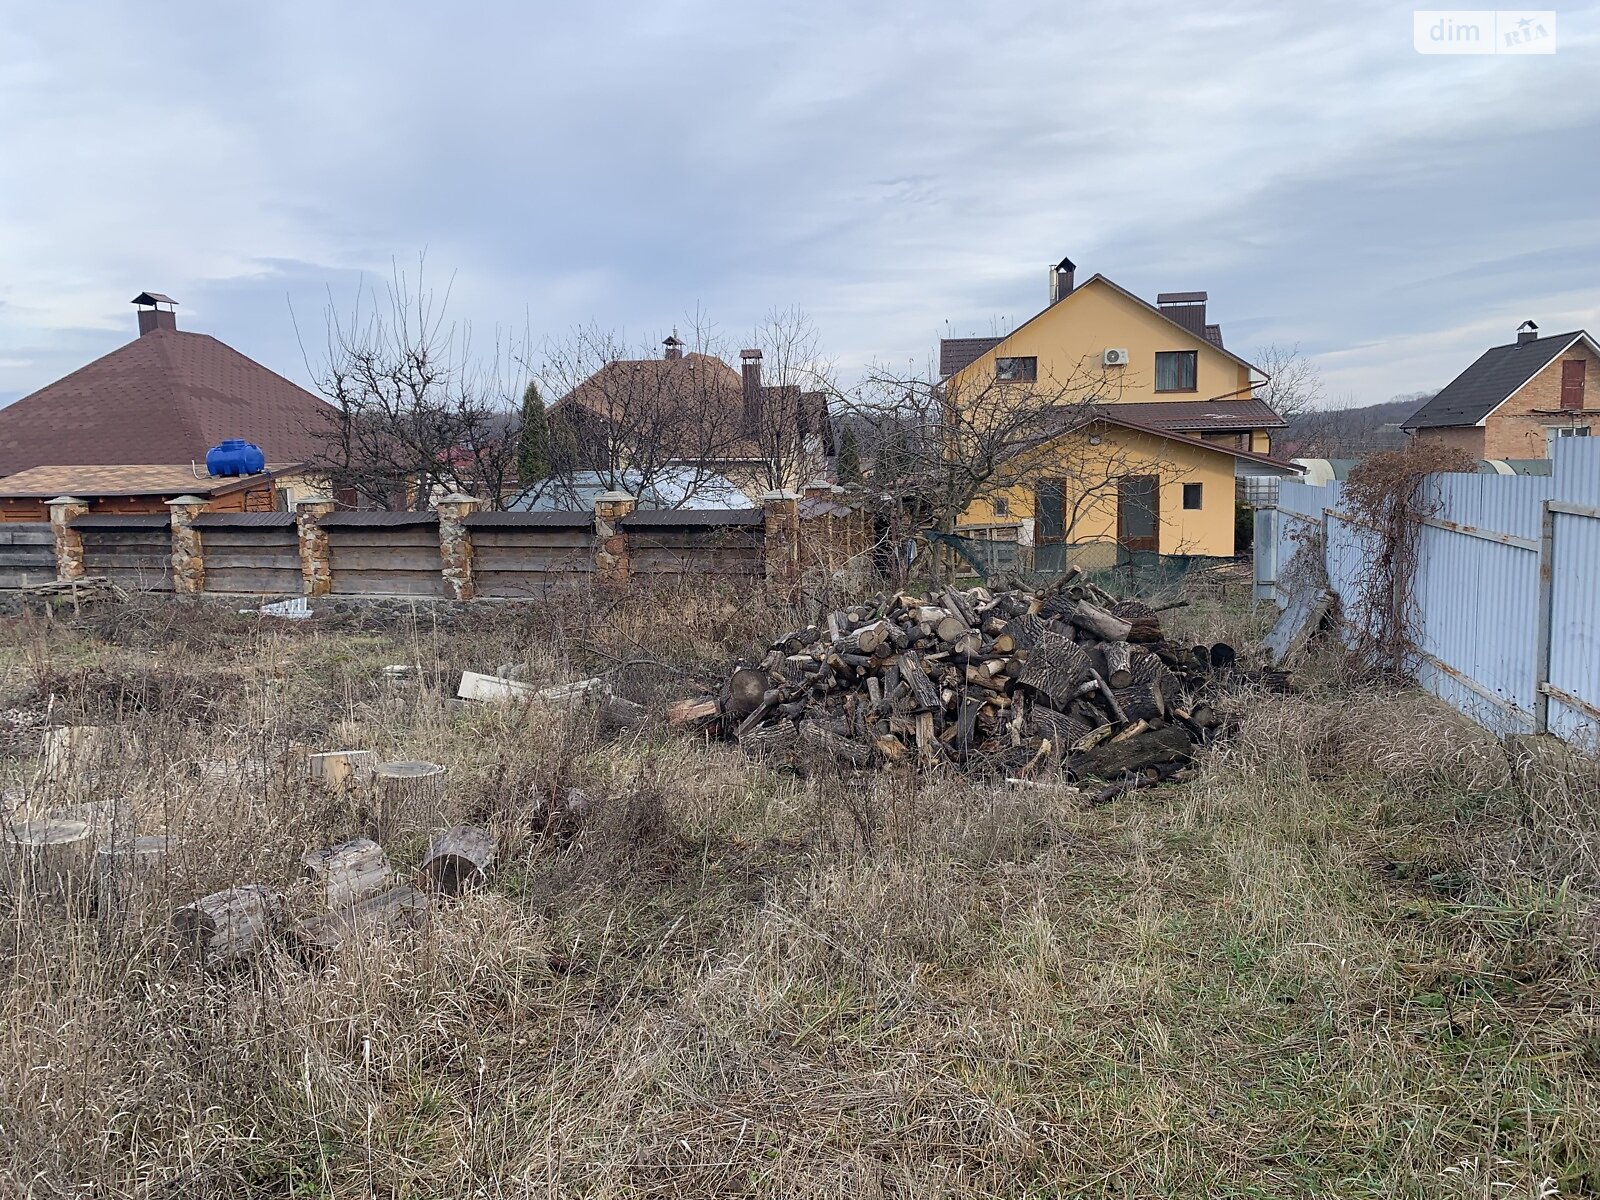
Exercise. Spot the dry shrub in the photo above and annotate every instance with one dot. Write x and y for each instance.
(1557, 834)
(1390, 495)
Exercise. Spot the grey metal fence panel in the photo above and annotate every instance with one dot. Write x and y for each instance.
(1477, 587)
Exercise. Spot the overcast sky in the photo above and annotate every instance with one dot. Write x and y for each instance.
(889, 168)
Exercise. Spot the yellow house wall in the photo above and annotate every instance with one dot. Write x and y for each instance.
(1206, 531)
(1069, 338)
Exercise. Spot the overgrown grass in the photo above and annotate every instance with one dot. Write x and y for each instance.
(1355, 957)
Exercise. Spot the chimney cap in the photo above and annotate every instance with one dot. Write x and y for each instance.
(1528, 327)
(1181, 297)
(1066, 264)
(749, 354)
(154, 298)
(671, 340)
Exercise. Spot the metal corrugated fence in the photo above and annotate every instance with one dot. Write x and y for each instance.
(1509, 628)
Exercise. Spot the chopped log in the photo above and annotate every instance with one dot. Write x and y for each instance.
(411, 797)
(958, 603)
(1152, 748)
(1223, 656)
(229, 925)
(342, 770)
(890, 748)
(1097, 736)
(493, 688)
(1141, 702)
(950, 629)
(459, 860)
(619, 716)
(1062, 730)
(774, 742)
(131, 875)
(923, 693)
(569, 694)
(347, 873)
(47, 860)
(1056, 670)
(927, 743)
(1119, 663)
(697, 713)
(816, 736)
(1098, 621)
(742, 696)
(401, 907)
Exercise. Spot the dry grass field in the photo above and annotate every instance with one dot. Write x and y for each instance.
(1355, 957)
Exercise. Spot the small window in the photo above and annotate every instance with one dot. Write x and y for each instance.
(1191, 495)
(1175, 370)
(1016, 370)
(1002, 507)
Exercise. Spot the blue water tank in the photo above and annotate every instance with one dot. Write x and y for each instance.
(235, 456)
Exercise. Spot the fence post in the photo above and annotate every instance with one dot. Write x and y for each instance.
(780, 519)
(455, 543)
(1543, 615)
(316, 564)
(188, 556)
(69, 542)
(611, 559)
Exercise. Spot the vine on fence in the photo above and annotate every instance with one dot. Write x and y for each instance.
(1391, 496)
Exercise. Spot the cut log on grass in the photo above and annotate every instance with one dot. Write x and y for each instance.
(775, 743)
(816, 738)
(342, 770)
(347, 873)
(48, 860)
(459, 860)
(132, 877)
(693, 714)
(1153, 748)
(399, 908)
(230, 925)
(1119, 663)
(621, 716)
(411, 797)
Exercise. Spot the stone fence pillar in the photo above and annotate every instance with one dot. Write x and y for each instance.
(611, 560)
(69, 542)
(188, 556)
(455, 543)
(316, 564)
(780, 518)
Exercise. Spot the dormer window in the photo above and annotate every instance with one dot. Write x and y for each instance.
(1016, 370)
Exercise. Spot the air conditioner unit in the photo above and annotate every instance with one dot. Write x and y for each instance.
(1114, 358)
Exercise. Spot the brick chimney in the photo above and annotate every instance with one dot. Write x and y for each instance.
(750, 379)
(1061, 280)
(1527, 332)
(155, 312)
(672, 348)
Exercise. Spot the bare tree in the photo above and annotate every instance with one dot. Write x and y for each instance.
(937, 448)
(787, 386)
(1294, 385)
(415, 411)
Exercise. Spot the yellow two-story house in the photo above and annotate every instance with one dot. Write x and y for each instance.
(1164, 419)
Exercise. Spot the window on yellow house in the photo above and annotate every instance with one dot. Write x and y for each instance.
(1175, 370)
(1191, 495)
(1049, 511)
(1016, 370)
(1002, 506)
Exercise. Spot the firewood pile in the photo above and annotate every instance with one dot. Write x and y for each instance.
(1069, 680)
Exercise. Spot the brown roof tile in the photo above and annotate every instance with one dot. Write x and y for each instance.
(165, 397)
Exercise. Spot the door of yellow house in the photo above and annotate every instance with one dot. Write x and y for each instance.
(1138, 512)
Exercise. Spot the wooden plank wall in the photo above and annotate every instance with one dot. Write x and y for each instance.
(27, 554)
(386, 560)
(138, 558)
(525, 560)
(252, 558)
(699, 549)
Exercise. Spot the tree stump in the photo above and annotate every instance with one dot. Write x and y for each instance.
(73, 750)
(229, 925)
(130, 876)
(47, 860)
(107, 819)
(411, 797)
(459, 860)
(342, 770)
(348, 873)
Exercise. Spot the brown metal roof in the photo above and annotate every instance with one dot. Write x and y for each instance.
(1204, 416)
(956, 353)
(165, 397)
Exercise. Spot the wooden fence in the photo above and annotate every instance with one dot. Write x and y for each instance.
(454, 553)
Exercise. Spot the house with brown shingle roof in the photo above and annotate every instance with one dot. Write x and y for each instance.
(166, 397)
(132, 424)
